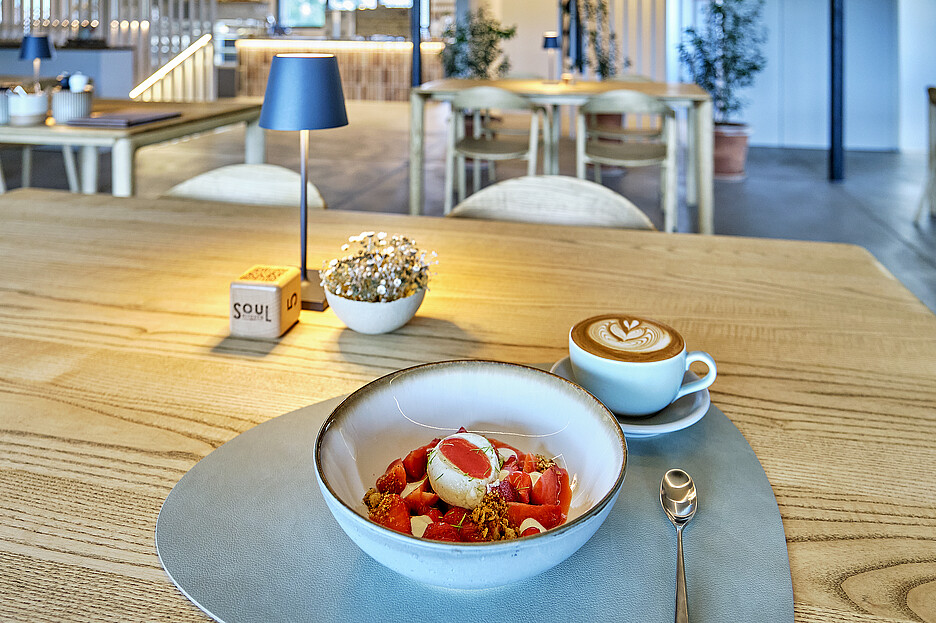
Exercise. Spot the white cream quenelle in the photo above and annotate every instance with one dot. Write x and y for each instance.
(460, 468)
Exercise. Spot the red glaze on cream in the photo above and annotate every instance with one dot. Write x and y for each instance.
(466, 456)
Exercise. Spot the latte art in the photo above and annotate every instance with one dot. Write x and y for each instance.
(629, 335)
(627, 338)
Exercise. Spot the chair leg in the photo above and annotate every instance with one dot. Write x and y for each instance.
(2, 181)
(460, 165)
(927, 200)
(580, 148)
(71, 171)
(669, 178)
(492, 171)
(26, 178)
(597, 173)
(450, 162)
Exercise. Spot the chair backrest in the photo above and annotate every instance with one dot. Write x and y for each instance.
(490, 97)
(555, 200)
(625, 102)
(252, 184)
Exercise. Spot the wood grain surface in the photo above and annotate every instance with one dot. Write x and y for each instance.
(117, 375)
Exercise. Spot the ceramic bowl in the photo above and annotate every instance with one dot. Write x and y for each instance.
(532, 410)
(26, 110)
(374, 318)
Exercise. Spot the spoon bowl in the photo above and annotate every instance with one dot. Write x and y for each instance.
(680, 500)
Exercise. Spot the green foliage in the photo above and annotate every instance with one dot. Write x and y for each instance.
(725, 54)
(472, 48)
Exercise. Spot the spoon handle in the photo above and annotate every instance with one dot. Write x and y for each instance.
(682, 608)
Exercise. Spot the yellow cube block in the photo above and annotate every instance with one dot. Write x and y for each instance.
(265, 301)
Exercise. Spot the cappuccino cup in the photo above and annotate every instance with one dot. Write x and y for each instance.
(635, 366)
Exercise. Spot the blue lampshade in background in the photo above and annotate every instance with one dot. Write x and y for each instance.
(35, 46)
(303, 93)
(550, 41)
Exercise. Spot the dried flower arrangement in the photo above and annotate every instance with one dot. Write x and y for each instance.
(378, 269)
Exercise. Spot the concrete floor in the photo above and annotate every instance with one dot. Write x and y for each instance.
(364, 166)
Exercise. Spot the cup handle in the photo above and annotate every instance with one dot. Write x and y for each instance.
(705, 381)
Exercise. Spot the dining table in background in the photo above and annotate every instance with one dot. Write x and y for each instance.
(124, 142)
(699, 155)
(118, 374)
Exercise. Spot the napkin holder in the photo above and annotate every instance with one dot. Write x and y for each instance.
(265, 301)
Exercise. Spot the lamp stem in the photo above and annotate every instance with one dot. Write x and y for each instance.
(551, 62)
(303, 198)
(36, 62)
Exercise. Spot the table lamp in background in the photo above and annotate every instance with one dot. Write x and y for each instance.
(304, 93)
(35, 48)
(551, 44)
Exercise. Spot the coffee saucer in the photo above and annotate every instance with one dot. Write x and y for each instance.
(681, 414)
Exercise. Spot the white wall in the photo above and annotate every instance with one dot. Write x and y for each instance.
(789, 102)
(916, 25)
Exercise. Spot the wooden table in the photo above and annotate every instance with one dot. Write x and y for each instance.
(124, 142)
(699, 188)
(117, 375)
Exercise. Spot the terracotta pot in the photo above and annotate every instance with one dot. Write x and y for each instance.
(731, 144)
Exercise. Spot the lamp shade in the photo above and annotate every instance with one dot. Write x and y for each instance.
(303, 92)
(550, 41)
(35, 46)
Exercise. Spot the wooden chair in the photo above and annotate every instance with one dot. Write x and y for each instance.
(555, 200)
(650, 150)
(71, 170)
(490, 147)
(929, 188)
(253, 184)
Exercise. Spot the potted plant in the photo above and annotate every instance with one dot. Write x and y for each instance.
(473, 47)
(378, 286)
(723, 56)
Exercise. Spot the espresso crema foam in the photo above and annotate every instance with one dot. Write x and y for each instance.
(627, 338)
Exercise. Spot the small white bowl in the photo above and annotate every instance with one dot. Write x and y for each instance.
(530, 409)
(29, 109)
(374, 318)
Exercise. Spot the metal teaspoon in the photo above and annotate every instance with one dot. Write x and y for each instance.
(680, 501)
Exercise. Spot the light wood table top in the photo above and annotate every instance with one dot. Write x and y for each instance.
(117, 375)
(571, 92)
(194, 115)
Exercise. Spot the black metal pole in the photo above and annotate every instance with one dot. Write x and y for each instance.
(416, 37)
(837, 88)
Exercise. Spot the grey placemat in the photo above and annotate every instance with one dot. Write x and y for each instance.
(246, 536)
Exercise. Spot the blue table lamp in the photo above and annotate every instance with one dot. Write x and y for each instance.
(35, 48)
(304, 93)
(551, 44)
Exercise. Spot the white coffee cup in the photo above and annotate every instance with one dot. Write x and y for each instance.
(634, 365)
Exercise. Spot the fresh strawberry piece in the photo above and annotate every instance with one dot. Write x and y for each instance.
(441, 531)
(462, 430)
(415, 462)
(419, 501)
(506, 489)
(456, 515)
(511, 465)
(549, 516)
(529, 463)
(394, 479)
(565, 491)
(546, 489)
(392, 513)
(435, 514)
(469, 533)
(522, 483)
(530, 531)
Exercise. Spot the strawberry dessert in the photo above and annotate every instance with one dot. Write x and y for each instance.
(470, 488)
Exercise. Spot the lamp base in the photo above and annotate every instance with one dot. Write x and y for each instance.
(313, 294)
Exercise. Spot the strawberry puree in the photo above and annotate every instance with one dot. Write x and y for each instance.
(466, 456)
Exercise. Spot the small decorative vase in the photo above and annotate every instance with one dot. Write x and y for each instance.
(374, 318)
